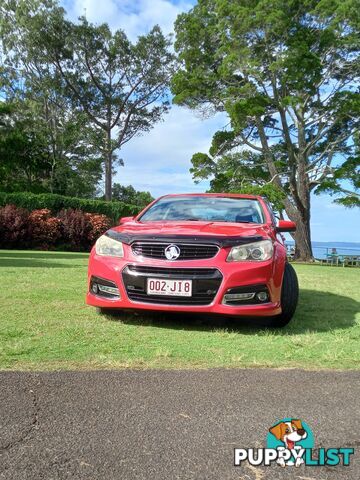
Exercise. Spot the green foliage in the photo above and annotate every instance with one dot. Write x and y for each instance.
(349, 171)
(244, 172)
(41, 110)
(203, 166)
(286, 73)
(131, 196)
(23, 157)
(91, 90)
(46, 150)
(241, 110)
(56, 203)
(345, 180)
(222, 141)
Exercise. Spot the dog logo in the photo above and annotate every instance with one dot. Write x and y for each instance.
(290, 434)
(172, 252)
(291, 442)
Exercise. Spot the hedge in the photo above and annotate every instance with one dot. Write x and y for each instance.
(70, 229)
(55, 203)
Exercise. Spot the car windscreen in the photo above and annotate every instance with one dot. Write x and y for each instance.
(203, 208)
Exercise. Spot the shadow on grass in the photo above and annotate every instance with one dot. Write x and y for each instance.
(316, 312)
(30, 263)
(46, 255)
(38, 259)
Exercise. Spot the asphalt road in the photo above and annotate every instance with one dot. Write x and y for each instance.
(168, 424)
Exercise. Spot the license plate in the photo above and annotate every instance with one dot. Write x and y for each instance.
(177, 288)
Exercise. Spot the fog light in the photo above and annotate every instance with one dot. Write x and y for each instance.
(232, 297)
(110, 290)
(262, 296)
(104, 288)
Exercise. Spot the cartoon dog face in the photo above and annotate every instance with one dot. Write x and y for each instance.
(289, 432)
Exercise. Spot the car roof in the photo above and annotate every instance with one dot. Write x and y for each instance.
(226, 195)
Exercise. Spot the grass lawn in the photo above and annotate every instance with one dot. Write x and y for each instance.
(45, 324)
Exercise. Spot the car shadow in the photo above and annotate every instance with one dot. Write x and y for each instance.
(317, 311)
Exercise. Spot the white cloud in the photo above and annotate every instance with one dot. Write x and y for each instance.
(135, 17)
(159, 161)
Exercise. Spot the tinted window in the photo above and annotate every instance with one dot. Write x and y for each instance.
(213, 209)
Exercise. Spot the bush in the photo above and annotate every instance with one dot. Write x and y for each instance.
(99, 224)
(44, 230)
(55, 203)
(71, 229)
(76, 229)
(80, 230)
(14, 227)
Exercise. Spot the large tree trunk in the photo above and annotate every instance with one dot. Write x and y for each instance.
(302, 236)
(303, 249)
(108, 167)
(301, 196)
(297, 206)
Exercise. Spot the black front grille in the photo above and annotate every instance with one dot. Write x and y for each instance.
(174, 272)
(188, 251)
(205, 284)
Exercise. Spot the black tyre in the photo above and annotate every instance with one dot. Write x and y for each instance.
(289, 298)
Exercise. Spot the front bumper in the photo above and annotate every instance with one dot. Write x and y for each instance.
(212, 279)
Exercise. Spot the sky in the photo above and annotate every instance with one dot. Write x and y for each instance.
(159, 161)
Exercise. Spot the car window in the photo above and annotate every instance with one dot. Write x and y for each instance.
(213, 209)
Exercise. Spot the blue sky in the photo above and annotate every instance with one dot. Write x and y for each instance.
(160, 160)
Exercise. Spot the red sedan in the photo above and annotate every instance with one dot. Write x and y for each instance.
(205, 253)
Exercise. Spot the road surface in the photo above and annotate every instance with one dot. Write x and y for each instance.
(167, 425)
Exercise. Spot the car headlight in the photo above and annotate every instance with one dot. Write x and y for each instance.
(257, 251)
(109, 247)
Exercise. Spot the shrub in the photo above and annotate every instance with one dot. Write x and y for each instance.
(98, 225)
(71, 229)
(76, 229)
(80, 230)
(55, 203)
(14, 227)
(44, 230)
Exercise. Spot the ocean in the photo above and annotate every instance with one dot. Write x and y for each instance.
(320, 249)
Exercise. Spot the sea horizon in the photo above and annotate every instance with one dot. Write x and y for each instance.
(321, 249)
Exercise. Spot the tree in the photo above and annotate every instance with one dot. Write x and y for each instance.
(122, 87)
(236, 172)
(348, 173)
(286, 72)
(130, 195)
(23, 158)
(40, 106)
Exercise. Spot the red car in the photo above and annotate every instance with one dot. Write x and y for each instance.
(205, 253)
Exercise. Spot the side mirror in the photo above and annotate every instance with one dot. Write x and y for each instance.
(125, 220)
(286, 226)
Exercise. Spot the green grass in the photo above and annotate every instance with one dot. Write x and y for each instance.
(45, 324)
